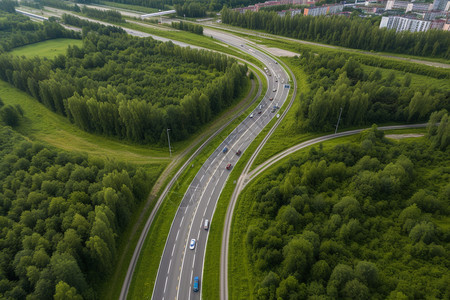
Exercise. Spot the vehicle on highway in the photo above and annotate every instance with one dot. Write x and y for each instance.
(271, 98)
(195, 287)
(206, 224)
(225, 150)
(228, 166)
(238, 152)
(276, 80)
(274, 90)
(192, 244)
(273, 110)
(251, 116)
(276, 62)
(259, 112)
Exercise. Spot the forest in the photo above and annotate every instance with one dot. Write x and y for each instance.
(61, 214)
(18, 30)
(357, 33)
(364, 219)
(338, 81)
(128, 87)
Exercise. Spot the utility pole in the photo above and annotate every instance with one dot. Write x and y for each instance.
(168, 139)
(337, 125)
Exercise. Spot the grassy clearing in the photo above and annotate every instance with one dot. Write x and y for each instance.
(147, 267)
(419, 81)
(48, 49)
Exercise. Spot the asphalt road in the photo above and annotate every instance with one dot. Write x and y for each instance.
(179, 264)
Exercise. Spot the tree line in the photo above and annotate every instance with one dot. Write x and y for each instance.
(359, 220)
(129, 87)
(18, 30)
(338, 82)
(186, 26)
(358, 33)
(61, 215)
(106, 15)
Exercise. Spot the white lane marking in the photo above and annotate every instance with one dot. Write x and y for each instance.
(176, 238)
(173, 249)
(170, 264)
(193, 262)
(165, 285)
(249, 127)
(202, 177)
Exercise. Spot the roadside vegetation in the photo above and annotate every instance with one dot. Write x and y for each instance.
(359, 219)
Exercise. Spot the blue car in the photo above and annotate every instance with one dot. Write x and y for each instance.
(225, 150)
(195, 289)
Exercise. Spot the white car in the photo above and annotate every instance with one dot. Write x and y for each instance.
(192, 244)
(251, 116)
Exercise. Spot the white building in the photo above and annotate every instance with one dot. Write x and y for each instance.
(402, 24)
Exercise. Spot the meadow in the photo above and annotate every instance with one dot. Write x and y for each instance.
(48, 49)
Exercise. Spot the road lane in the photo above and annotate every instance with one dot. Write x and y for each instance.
(185, 264)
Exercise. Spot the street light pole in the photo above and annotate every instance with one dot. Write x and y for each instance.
(338, 121)
(168, 139)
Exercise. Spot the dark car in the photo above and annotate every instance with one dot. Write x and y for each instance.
(238, 152)
(228, 166)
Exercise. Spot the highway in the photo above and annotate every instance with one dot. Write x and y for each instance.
(179, 264)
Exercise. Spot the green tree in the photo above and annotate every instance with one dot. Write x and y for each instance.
(66, 292)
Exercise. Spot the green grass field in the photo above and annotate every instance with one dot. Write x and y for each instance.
(49, 49)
